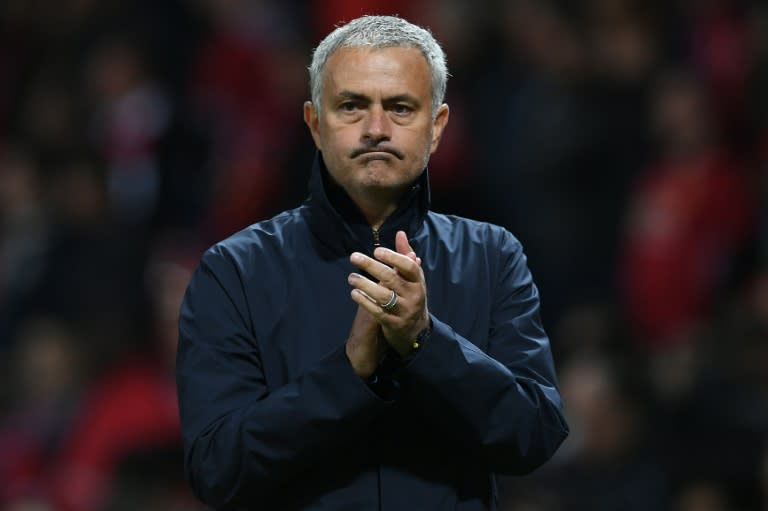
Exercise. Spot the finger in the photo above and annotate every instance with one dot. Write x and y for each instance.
(386, 275)
(416, 258)
(401, 243)
(403, 246)
(406, 267)
(378, 293)
(367, 303)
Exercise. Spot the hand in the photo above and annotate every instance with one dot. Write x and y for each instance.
(363, 346)
(399, 272)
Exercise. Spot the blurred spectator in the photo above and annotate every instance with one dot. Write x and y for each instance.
(551, 175)
(25, 234)
(152, 481)
(625, 43)
(46, 378)
(131, 115)
(327, 14)
(572, 139)
(255, 126)
(49, 118)
(759, 90)
(709, 428)
(721, 52)
(79, 282)
(701, 497)
(692, 213)
(606, 464)
(131, 408)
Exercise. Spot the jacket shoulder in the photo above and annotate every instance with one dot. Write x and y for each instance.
(454, 228)
(255, 246)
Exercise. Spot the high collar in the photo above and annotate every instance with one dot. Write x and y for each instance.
(338, 224)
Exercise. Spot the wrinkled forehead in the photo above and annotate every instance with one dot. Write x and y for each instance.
(389, 67)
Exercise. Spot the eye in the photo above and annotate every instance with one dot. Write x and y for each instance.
(402, 109)
(348, 106)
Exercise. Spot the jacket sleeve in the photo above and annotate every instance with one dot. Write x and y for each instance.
(241, 438)
(504, 403)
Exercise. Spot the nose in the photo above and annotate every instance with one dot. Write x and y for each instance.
(377, 126)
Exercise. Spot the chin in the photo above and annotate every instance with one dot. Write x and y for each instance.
(381, 178)
(378, 163)
(375, 183)
(377, 170)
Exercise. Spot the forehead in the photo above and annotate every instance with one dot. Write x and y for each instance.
(365, 70)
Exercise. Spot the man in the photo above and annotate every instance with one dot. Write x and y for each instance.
(361, 352)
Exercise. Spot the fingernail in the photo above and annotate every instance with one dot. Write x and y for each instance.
(356, 257)
(352, 277)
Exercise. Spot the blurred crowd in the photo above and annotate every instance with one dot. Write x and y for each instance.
(625, 142)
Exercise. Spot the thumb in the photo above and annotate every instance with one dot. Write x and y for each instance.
(403, 247)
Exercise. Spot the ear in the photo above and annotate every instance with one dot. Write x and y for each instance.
(311, 120)
(438, 125)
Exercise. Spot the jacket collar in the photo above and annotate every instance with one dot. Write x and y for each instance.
(339, 225)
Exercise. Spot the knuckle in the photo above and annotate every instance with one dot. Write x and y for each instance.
(389, 277)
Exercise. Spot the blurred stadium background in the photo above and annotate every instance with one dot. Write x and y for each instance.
(625, 142)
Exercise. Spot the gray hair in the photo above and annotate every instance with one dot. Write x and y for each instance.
(381, 32)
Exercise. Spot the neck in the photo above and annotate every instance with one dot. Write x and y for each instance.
(373, 205)
(375, 208)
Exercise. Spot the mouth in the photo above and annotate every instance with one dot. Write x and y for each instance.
(377, 154)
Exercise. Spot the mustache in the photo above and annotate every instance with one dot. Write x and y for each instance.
(376, 149)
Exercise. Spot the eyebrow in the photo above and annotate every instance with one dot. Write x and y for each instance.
(353, 95)
(347, 94)
(406, 98)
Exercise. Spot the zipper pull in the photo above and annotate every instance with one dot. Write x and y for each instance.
(376, 239)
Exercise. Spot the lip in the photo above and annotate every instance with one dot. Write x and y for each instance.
(377, 154)
(380, 154)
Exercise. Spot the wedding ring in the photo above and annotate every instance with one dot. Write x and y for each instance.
(391, 304)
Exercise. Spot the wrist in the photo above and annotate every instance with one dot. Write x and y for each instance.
(364, 367)
(421, 338)
(408, 349)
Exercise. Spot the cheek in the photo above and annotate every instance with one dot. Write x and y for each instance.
(419, 142)
(341, 137)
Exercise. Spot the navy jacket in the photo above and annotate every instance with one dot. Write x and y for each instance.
(275, 418)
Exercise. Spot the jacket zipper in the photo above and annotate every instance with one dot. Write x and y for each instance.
(376, 238)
